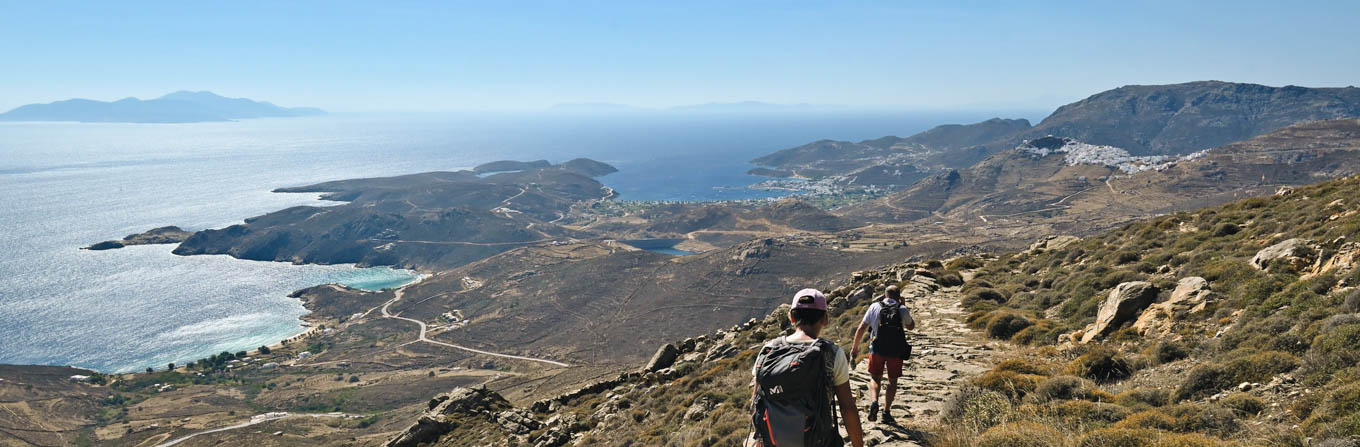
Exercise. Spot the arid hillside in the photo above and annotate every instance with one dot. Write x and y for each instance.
(1078, 185)
(1228, 326)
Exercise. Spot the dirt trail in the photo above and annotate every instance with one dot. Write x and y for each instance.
(397, 295)
(945, 354)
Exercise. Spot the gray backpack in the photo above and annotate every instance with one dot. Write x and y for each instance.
(792, 404)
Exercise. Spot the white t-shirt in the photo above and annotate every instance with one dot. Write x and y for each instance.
(871, 316)
(840, 372)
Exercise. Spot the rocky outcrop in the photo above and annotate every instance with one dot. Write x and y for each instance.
(1299, 253)
(1191, 295)
(435, 421)
(1344, 260)
(1125, 303)
(1053, 243)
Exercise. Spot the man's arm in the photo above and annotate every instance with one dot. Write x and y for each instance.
(850, 414)
(911, 322)
(854, 347)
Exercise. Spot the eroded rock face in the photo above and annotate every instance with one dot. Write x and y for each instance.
(1345, 259)
(1191, 294)
(1300, 253)
(1125, 303)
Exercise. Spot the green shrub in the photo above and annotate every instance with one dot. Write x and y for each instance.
(1043, 332)
(1020, 434)
(976, 407)
(950, 279)
(1201, 418)
(1082, 412)
(1061, 388)
(1168, 351)
(1226, 229)
(1100, 364)
(1004, 324)
(1023, 366)
(1335, 349)
(964, 263)
(1341, 402)
(1126, 257)
(1188, 440)
(1118, 437)
(1148, 419)
(983, 294)
(1245, 405)
(1143, 398)
(1210, 378)
(1010, 383)
(1203, 380)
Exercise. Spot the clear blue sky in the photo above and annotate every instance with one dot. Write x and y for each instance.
(523, 55)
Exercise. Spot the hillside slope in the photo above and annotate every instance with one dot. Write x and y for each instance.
(1144, 120)
(1234, 341)
(1183, 118)
(1068, 180)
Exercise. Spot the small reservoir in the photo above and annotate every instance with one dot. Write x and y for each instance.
(663, 246)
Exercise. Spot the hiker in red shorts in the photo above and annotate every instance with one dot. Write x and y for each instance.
(888, 321)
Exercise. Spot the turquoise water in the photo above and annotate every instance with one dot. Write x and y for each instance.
(67, 185)
(377, 278)
(670, 251)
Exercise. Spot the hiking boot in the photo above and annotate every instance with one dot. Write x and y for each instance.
(887, 418)
(873, 411)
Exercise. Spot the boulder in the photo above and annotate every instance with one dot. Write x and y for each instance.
(860, 294)
(1191, 295)
(1125, 303)
(432, 423)
(1190, 290)
(1300, 253)
(426, 429)
(701, 408)
(664, 358)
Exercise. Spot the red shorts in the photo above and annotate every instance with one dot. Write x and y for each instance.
(877, 362)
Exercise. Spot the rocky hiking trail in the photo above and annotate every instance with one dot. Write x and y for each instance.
(945, 355)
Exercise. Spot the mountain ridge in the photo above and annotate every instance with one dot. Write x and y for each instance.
(177, 107)
(1144, 120)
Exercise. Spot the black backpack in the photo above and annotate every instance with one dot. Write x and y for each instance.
(792, 403)
(891, 337)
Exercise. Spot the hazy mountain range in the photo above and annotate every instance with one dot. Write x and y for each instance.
(177, 107)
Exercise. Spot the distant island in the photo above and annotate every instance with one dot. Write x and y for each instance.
(177, 107)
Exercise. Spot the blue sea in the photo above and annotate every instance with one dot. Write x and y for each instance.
(67, 185)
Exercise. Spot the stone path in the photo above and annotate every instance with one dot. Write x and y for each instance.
(945, 354)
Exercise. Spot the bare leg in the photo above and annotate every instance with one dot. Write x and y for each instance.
(892, 391)
(873, 386)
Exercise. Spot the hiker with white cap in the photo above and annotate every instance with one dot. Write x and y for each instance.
(797, 377)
